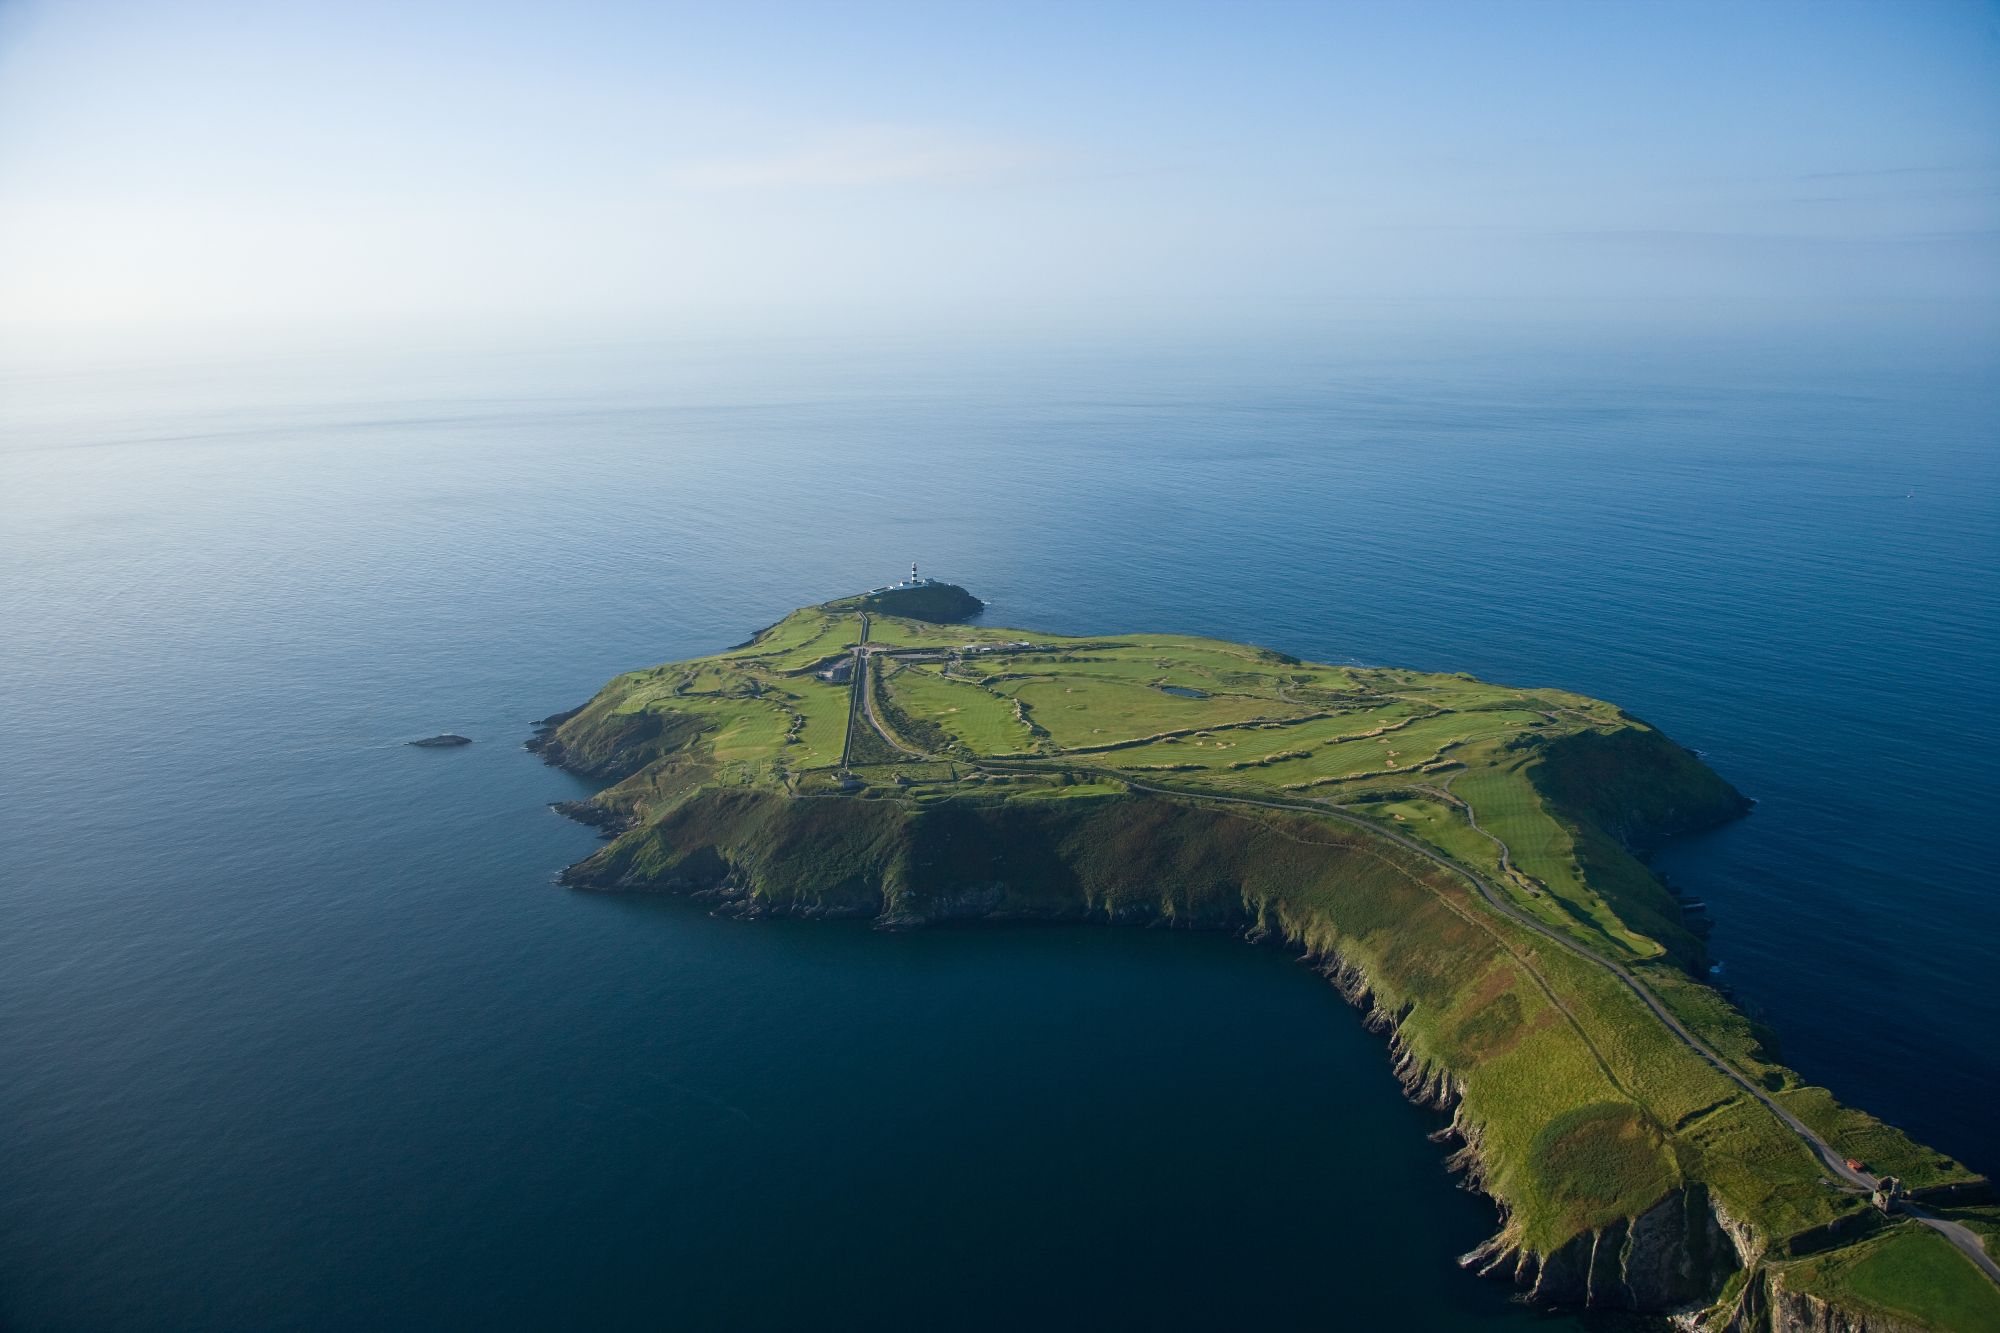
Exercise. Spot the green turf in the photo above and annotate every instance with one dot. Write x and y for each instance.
(1587, 1109)
(979, 718)
(1910, 1273)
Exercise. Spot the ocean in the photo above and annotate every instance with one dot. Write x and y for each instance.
(299, 1034)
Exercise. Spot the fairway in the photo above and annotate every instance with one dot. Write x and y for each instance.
(980, 719)
(1088, 711)
(1590, 1110)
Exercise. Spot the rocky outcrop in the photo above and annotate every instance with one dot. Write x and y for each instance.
(942, 603)
(1802, 1312)
(1602, 1179)
(619, 745)
(1635, 785)
(606, 819)
(1159, 863)
(1674, 1254)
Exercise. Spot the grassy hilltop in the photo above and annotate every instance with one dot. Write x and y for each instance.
(1462, 858)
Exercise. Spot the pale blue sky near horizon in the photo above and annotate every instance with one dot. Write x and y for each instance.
(177, 168)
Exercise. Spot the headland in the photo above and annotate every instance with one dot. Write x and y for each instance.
(1464, 860)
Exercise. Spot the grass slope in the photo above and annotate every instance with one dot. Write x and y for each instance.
(1907, 1274)
(1582, 1110)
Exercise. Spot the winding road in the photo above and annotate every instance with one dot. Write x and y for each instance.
(1962, 1237)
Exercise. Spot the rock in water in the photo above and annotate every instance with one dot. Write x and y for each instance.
(443, 742)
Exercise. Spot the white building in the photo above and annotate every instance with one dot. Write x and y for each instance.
(914, 581)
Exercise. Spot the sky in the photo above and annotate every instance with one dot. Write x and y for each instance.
(170, 167)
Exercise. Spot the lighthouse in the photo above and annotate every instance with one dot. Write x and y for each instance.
(914, 580)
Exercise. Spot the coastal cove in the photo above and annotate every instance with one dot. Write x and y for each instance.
(285, 935)
(1460, 859)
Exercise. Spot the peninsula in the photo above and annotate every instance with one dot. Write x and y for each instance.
(1463, 860)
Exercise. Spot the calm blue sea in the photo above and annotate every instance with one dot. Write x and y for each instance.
(297, 1034)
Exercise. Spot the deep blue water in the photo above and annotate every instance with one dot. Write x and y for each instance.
(297, 1033)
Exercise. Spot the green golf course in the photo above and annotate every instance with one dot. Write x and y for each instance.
(1464, 860)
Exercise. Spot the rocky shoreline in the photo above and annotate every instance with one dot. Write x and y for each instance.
(1628, 1172)
(1673, 1257)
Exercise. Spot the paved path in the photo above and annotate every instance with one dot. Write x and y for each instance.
(890, 737)
(1496, 898)
(857, 682)
(1963, 1237)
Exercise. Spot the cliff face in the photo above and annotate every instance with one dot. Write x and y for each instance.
(1461, 859)
(1674, 1254)
(1769, 1306)
(1390, 931)
(1802, 1312)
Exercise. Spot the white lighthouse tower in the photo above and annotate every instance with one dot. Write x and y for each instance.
(914, 580)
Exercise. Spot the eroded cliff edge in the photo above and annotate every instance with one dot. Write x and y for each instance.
(1470, 1029)
(1627, 1172)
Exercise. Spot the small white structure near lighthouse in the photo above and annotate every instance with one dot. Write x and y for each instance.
(914, 581)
